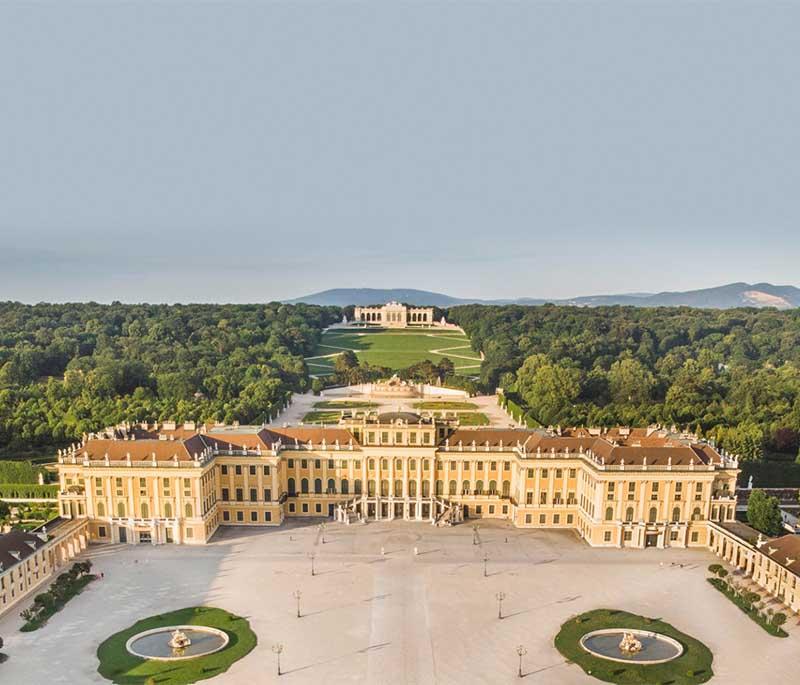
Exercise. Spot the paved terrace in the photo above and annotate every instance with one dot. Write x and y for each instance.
(398, 617)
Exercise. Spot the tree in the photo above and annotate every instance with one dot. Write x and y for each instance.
(764, 514)
(630, 382)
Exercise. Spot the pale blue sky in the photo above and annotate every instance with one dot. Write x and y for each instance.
(248, 151)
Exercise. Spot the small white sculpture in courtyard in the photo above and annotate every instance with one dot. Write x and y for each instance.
(629, 644)
(179, 641)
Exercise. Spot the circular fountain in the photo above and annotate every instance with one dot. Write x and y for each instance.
(175, 643)
(631, 646)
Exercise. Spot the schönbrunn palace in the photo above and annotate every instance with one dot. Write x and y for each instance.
(620, 487)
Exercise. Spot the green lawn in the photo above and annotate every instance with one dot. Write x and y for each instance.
(444, 405)
(322, 417)
(395, 349)
(345, 404)
(690, 668)
(120, 666)
(471, 418)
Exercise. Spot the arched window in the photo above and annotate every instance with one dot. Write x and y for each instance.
(304, 486)
(318, 486)
(371, 488)
(101, 509)
(345, 486)
(492, 487)
(453, 487)
(121, 509)
(609, 513)
(384, 464)
(384, 488)
(629, 515)
(167, 510)
(398, 464)
(439, 488)
(290, 486)
(676, 514)
(653, 515)
(696, 514)
(426, 464)
(426, 488)
(398, 488)
(412, 464)
(506, 488)
(357, 486)
(331, 485)
(465, 487)
(479, 487)
(145, 510)
(188, 510)
(371, 464)
(412, 488)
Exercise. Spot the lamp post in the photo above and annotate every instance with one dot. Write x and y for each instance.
(485, 562)
(277, 648)
(521, 652)
(500, 596)
(297, 595)
(475, 534)
(322, 532)
(311, 556)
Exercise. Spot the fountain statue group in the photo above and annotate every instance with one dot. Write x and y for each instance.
(629, 644)
(179, 641)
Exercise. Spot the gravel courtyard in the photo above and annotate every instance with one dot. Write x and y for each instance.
(397, 617)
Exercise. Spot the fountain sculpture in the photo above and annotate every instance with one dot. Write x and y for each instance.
(179, 641)
(629, 644)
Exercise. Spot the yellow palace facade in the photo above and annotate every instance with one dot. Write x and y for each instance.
(168, 483)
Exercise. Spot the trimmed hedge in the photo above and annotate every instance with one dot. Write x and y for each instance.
(747, 607)
(28, 491)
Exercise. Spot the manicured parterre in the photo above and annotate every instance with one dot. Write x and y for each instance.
(693, 666)
(120, 666)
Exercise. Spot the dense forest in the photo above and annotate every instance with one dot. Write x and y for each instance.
(733, 375)
(71, 368)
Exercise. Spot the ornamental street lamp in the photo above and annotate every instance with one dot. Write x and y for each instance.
(311, 556)
(485, 562)
(277, 648)
(521, 652)
(500, 596)
(297, 595)
(322, 532)
(475, 534)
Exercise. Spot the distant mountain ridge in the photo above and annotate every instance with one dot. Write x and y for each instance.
(720, 297)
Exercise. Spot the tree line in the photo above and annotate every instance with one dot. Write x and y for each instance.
(67, 369)
(732, 375)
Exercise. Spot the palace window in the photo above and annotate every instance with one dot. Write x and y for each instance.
(610, 494)
(570, 518)
(226, 494)
(559, 473)
(384, 464)
(542, 498)
(266, 470)
(529, 498)
(398, 438)
(412, 438)
(530, 473)
(676, 514)
(412, 464)
(653, 515)
(572, 473)
(426, 464)
(253, 495)
(317, 464)
(506, 488)
(528, 518)
(304, 486)
(629, 515)
(143, 486)
(398, 488)
(254, 516)
(345, 487)
(252, 470)
(544, 473)
(371, 464)
(318, 486)
(118, 486)
(357, 486)
(426, 438)
(556, 519)
(385, 437)
(238, 469)
(304, 463)
(290, 486)
(631, 491)
(607, 536)
(609, 513)
(226, 516)
(330, 464)
(493, 465)
(239, 495)
(268, 516)
(290, 463)
(654, 492)
(479, 466)
(240, 516)
(542, 519)
(452, 487)
(331, 486)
